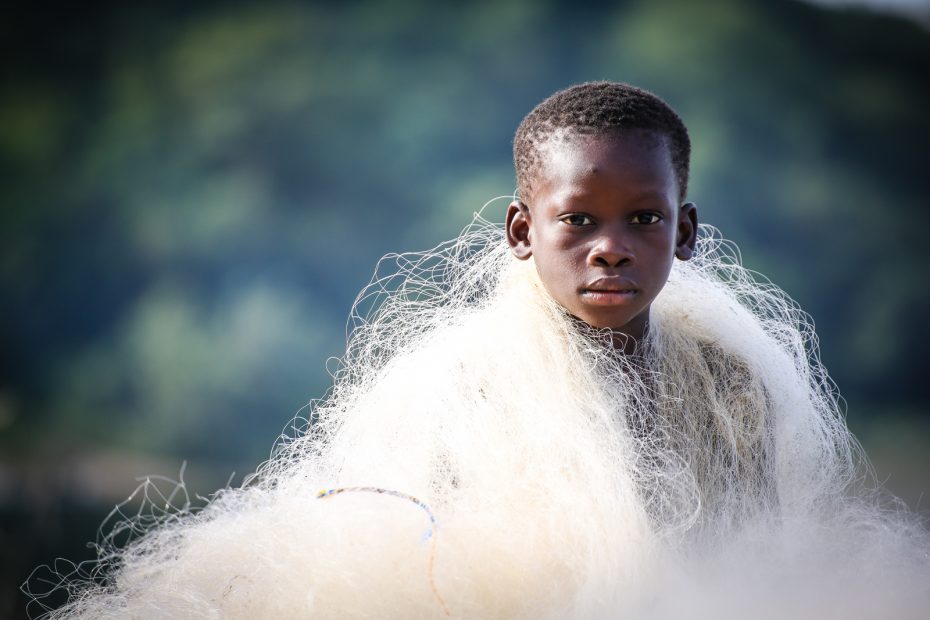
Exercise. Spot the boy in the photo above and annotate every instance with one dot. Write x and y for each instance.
(557, 420)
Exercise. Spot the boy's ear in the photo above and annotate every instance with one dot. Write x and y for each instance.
(687, 231)
(518, 229)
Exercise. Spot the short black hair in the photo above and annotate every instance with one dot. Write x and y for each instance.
(592, 108)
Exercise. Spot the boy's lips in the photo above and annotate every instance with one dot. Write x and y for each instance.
(609, 291)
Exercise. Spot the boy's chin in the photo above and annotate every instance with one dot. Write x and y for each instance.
(621, 325)
(602, 323)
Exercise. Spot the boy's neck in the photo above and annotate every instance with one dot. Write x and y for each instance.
(626, 339)
(624, 343)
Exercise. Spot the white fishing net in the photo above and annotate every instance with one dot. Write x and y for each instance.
(488, 456)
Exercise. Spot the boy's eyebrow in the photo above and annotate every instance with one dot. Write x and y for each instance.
(644, 196)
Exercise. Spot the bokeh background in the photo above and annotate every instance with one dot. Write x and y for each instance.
(193, 193)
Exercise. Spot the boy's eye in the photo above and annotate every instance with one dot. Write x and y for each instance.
(577, 219)
(646, 218)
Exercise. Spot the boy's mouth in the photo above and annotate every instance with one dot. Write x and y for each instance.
(609, 291)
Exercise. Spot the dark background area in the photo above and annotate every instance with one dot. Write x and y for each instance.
(192, 194)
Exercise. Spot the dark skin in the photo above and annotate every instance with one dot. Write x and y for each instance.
(604, 224)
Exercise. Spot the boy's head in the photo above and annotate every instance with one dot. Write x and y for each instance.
(602, 171)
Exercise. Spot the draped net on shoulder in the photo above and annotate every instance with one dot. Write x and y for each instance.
(488, 456)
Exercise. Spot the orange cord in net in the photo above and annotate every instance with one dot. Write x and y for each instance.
(428, 536)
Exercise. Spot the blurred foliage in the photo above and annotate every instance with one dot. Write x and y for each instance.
(193, 194)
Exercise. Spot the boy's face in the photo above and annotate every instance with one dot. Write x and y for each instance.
(604, 224)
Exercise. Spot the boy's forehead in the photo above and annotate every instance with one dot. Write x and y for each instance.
(571, 155)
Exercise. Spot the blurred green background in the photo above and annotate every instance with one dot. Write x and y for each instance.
(192, 195)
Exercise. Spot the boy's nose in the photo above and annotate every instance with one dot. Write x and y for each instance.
(610, 251)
